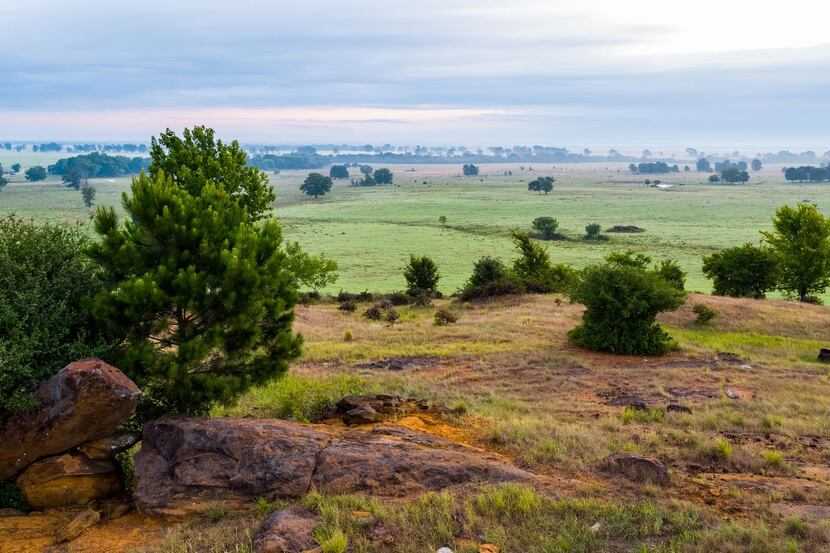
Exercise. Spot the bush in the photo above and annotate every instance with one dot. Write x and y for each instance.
(534, 270)
(392, 316)
(45, 280)
(421, 275)
(593, 232)
(35, 173)
(671, 272)
(742, 271)
(398, 298)
(421, 299)
(490, 278)
(621, 306)
(704, 313)
(374, 313)
(546, 227)
(444, 317)
(347, 306)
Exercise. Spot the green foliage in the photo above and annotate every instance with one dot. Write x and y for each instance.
(383, 176)
(801, 240)
(97, 164)
(470, 170)
(339, 172)
(542, 184)
(199, 295)
(12, 498)
(593, 231)
(443, 220)
(72, 179)
(3, 181)
(217, 511)
(421, 274)
(490, 278)
(704, 313)
(445, 316)
(316, 184)
(621, 306)
(44, 283)
(312, 272)
(534, 270)
(732, 174)
(197, 158)
(15, 167)
(88, 194)
(546, 227)
(742, 271)
(629, 258)
(35, 173)
(670, 271)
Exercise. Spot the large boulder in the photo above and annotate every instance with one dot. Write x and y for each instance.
(636, 468)
(187, 463)
(69, 479)
(84, 401)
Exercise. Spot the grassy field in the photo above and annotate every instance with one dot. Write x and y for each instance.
(372, 231)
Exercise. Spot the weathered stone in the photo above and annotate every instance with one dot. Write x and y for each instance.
(69, 479)
(187, 463)
(678, 408)
(78, 525)
(731, 393)
(628, 400)
(108, 447)
(26, 533)
(86, 400)
(637, 468)
(362, 415)
(286, 531)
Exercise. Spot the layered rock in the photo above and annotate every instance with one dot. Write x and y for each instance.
(187, 463)
(86, 400)
(69, 479)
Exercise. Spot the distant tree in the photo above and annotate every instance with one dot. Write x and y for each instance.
(670, 271)
(542, 184)
(339, 172)
(756, 164)
(733, 174)
(443, 220)
(316, 185)
(3, 181)
(366, 169)
(801, 240)
(646, 153)
(703, 165)
(592, 231)
(73, 178)
(807, 173)
(383, 176)
(742, 166)
(311, 272)
(657, 167)
(686, 168)
(35, 173)
(621, 306)
(470, 170)
(88, 194)
(691, 152)
(742, 271)
(714, 178)
(546, 227)
(15, 167)
(421, 274)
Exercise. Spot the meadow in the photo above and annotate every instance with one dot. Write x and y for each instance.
(372, 231)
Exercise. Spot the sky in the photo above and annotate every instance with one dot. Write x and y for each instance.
(725, 74)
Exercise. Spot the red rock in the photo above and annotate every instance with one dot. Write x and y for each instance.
(187, 463)
(286, 531)
(108, 447)
(69, 479)
(86, 400)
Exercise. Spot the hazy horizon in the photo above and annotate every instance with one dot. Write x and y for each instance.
(646, 74)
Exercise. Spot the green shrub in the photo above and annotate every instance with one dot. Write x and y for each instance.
(593, 231)
(444, 317)
(373, 313)
(12, 498)
(704, 313)
(546, 227)
(490, 278)
(534, 270)
(743, 271)
(347, 307)
(45, 281)
(621, 307)
(398, 298)
(670, 271)
(421, 275)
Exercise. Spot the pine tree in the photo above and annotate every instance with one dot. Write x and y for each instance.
(197, 293)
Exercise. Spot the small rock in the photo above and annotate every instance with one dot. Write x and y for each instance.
(488, 548)
(731, 394)
(677, 408)
(595, 527)
(108, 447)
(464, 543)
(633, 401)
(362, 415)
(77, 525)
(444, 550)
(824, 355)
(69, 479)
(636, 468)
(286, 531)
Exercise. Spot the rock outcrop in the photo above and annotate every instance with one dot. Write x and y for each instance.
(187, 463)
(69, 479)
(286, 531)
(86, 400)
(637, 468)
